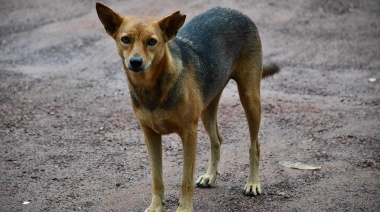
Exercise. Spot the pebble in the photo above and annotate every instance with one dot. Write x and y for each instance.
(285, 195)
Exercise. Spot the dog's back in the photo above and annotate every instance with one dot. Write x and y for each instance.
(212, 42)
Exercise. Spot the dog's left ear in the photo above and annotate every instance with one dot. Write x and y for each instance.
(171, 24)
(110, 19)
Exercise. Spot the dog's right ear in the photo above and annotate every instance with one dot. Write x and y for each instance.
(110, 19)
(171, 24)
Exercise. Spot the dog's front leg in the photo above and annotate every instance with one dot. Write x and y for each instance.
(189, 143)
(153, 142)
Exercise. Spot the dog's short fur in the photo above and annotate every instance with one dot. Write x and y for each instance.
(177, 76)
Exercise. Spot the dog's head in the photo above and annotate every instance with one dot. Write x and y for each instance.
(141, 42)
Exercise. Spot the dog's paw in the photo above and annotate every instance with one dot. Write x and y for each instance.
(187, 207)
(157, 209)
(156, 205)
(252, 189)
(206, 181)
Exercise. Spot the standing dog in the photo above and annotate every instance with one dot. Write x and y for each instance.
(177, 76)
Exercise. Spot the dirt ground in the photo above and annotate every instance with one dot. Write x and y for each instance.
(70, 141)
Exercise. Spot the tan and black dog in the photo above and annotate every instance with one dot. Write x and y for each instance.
(177, 76)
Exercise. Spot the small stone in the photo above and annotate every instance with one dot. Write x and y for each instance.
(372, 80)
(285, 195)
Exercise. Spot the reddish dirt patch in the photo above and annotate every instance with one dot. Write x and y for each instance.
(69, 139)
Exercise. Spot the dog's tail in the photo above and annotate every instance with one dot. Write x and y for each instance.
(270, 69)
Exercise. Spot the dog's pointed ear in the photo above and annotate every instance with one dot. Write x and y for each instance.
(110, 19)
(171, 24)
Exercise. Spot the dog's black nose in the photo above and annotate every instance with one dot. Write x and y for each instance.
(136, 63)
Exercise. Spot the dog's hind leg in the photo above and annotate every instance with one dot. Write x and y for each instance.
(250, 98)
(210, 123)
(248, 76)
(153, 142)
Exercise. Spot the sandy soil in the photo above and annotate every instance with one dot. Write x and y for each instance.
(70, 142)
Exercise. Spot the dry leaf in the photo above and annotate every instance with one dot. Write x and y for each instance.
(298, 165)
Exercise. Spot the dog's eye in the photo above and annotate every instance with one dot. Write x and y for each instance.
(152, 42)
(125, 40)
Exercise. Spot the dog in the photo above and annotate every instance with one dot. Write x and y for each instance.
(176, 76)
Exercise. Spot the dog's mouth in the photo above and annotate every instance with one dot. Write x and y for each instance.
(136, 65)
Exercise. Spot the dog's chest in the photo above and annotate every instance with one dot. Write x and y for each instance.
(161, 128)
(158, 122)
